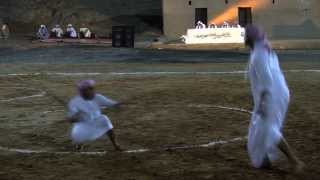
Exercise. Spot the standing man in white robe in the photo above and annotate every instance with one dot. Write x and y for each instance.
(271, 99)
(89, 123)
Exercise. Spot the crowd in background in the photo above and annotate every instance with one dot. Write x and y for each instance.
(70, 32)
(201, 25)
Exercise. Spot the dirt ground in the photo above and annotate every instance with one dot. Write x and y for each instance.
(159, 111)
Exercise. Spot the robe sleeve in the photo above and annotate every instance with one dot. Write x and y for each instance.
(105, 102)
(72, 109)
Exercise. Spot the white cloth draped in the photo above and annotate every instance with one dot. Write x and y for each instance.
(265, 131)
(93, 124)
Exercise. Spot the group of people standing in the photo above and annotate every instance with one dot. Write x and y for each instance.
(270, 96)
(57, 32)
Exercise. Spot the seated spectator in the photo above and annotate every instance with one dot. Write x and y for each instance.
(213, 25)
(5, 31)
(57, 32)
(200, 25)
(43, 32)
(71, 32)
(85, 33)
(225, 24)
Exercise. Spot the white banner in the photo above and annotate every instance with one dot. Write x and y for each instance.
(215, 35)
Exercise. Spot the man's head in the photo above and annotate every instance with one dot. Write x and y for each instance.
(86, 89)
(253, 34)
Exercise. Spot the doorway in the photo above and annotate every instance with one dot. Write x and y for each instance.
(245, 16)
(201, 14)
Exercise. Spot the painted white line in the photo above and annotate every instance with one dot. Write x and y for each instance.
(74, 74)
(306, 70)
(22, 151)
(40, 94)
(53, 111)
(147, 73)
(20, 74)
(221, 107)
(207, 145)
(24, 97)
(176, 73)
(169, 106)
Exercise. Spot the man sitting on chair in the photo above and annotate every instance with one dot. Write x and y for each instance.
(71, 32)
(57, 31)
(43, 32)
(85, 33)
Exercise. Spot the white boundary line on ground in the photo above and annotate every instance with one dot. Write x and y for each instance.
(147, 73)
(207, 145)
(52, 111)
(168, 106)
(220, 107)
(40, 94)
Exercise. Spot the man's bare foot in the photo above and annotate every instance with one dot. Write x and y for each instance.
(299, 167)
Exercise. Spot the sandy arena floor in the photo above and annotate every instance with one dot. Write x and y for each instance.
(170, 107)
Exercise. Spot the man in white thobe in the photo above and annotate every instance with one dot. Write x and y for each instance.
(86, 33)
(57, 31)
(271, 99)
(71, 31)
(43, 32)
(5, 31)
(89, 123)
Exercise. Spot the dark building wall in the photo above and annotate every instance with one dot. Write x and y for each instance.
(285, 19)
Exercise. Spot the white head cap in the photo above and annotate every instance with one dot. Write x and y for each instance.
(42, 26)
(69, 25)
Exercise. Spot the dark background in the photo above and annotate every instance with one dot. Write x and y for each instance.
(24, 16)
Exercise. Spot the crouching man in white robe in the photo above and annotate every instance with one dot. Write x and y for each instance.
(271, 99)
(89, 123)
